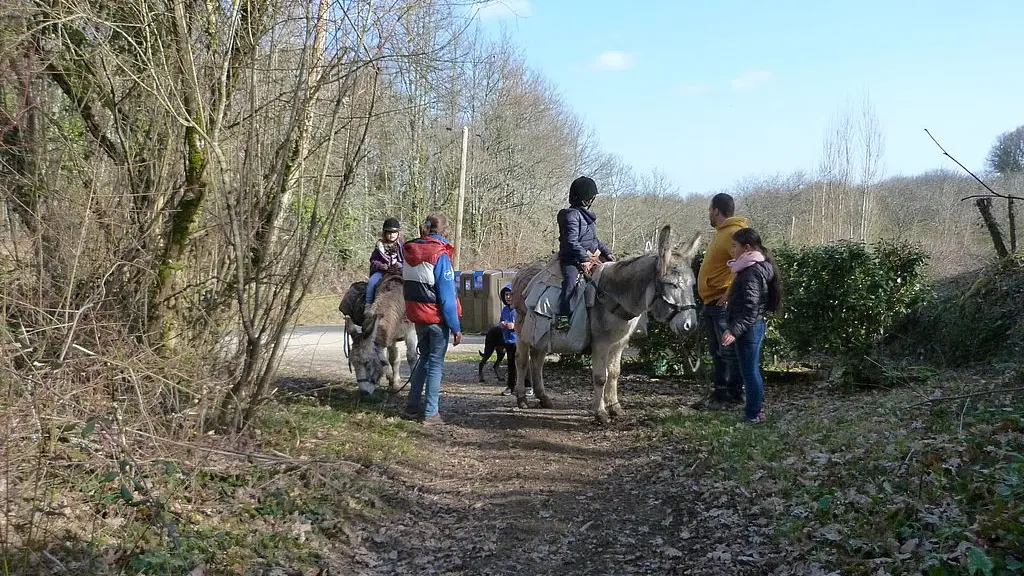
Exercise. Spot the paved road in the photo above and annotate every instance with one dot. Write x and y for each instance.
(320, 350)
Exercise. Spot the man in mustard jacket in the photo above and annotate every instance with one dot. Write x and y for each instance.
(713, 282)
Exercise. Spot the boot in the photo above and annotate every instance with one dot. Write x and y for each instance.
(562, 323)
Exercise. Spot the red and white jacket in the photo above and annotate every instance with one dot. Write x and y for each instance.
(429, 283)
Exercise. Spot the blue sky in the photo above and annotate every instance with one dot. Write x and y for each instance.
(711, 93)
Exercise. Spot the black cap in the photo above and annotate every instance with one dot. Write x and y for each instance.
(391, 225)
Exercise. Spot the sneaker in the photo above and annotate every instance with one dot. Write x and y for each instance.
(529, 391)
(759, 419)
(432, 420)
(562, 323)
(506, 392)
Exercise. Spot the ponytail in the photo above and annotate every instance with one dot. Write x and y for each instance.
(775, 284)
(435, 223)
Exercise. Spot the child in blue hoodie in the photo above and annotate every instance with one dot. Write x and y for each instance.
(508, 330)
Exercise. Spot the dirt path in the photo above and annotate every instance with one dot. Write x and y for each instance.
(506, 491)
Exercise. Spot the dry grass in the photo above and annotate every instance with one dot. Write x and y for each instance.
(319, 308)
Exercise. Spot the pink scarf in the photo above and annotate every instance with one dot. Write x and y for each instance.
(746, 260)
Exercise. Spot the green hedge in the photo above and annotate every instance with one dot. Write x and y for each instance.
(841, 300)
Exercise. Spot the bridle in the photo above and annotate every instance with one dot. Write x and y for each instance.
(676, 309)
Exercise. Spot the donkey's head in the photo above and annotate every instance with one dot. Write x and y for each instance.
(369, 361)
(675, 303)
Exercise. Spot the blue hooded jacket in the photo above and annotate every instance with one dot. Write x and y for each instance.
(508, 314)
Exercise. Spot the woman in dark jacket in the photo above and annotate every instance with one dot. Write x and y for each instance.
(756, 290)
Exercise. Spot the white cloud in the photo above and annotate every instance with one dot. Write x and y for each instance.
(751, 79)
(501, 9)
(614, 60)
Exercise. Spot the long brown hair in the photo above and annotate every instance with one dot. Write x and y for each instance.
(750, 237)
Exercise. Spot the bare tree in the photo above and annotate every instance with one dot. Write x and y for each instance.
(1006, 158)
(872, 151)
(835, 168)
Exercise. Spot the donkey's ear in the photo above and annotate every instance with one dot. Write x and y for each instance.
(664, 249)
(690, 249)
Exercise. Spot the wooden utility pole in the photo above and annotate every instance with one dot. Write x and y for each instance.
(462, 198)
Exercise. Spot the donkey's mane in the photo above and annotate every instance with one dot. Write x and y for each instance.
(629, 274)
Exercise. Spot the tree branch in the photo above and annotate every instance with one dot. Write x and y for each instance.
(86, 108)
(962, 396)
(980, 181)
(973, 196)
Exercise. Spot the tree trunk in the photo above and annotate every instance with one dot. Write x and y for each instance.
(865, 208)
(1011, 217)
(985, 208)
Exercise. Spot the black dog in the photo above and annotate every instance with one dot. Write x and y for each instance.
(494, 342)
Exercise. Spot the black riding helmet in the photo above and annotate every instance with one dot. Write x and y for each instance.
(582, 191)
(391, 225)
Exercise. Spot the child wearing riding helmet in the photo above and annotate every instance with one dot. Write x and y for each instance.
(756, 291)
(578, 246)
(386, 257)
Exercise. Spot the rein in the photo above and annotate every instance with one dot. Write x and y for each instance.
(347, 346)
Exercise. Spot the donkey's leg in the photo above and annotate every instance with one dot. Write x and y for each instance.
(611, 386)
(599, 359)
(395, 361)
(411, 348)
(537, 378)
(522, 367)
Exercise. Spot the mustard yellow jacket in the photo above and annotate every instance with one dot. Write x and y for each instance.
(714, 278)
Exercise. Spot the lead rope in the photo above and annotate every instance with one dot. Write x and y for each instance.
(346, 346)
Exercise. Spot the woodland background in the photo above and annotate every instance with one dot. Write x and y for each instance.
(181, 179)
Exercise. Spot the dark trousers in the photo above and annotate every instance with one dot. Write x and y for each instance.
(728, 382)
(510, 355)
(570, 277)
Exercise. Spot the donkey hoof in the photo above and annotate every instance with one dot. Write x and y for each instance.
(522, 402)
(545, 402)
(616, 411)
(602, 419)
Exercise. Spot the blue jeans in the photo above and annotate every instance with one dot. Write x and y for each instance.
(371, 285)
(728, 382)
(432, 347)
(748, 352)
